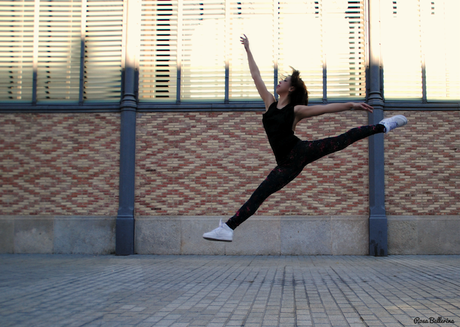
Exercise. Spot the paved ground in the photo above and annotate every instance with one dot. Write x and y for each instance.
(75, 290)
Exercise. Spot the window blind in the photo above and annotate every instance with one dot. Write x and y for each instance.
(58, 73)
(401, 49)
(344, 46)
(188, 50)
(203, 42)
(440, 25)
(191, 49)
(16, 50)
(301, 42)
(103, 40)
(325, 41)
(420, 48)
(258, 20)
(61, 50)
(159, 48)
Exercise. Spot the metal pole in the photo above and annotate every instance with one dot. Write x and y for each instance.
(378, 242)
(125, 218)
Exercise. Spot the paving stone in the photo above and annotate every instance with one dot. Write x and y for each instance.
(143, 291)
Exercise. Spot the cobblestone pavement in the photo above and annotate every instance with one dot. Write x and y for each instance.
(76, 290)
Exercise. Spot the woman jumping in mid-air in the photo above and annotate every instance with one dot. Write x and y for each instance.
(292, 154)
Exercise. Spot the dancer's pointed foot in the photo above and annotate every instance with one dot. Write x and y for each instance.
(393, 122)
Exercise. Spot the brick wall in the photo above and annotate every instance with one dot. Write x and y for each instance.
(422, 165)
(59, 164)
(195, 164)
(209, 163)
(60, 172)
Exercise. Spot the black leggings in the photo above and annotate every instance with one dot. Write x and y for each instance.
(303, 153)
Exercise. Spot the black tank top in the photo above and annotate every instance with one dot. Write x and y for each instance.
(278, 126)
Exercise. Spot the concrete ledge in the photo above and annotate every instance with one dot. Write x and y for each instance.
(297, 235)
(57, 234)
(85, 235)
(423, 234)
(260, 235)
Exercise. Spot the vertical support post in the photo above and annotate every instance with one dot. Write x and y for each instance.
(378, 240)
(124, 244)
(125, 218)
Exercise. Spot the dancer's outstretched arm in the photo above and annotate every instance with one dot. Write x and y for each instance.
(302, 112)
(317, 110)
(266, 96)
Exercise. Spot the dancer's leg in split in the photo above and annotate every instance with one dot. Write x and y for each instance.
(275, 181)
(303, 154)
(320, 148)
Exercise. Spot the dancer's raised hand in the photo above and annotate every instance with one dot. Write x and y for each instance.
(245, 41)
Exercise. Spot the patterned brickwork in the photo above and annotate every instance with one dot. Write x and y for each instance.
(210, 163)
(422, 165)
(59, 164)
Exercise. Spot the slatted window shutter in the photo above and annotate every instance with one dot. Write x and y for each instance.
(159, 47)
(440, 26)
(401, 49)
(301, 42)
(16, 50)
(103, 40)
(58, 74)
(323, 39)
(344, 46)
(200, 42)
(203, 43)
(420, 49)
(72, 50)
(258, 20)
(47, 36)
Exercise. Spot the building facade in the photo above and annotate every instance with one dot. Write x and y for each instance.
(121, 135)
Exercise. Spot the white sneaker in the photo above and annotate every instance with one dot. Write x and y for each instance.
(393, 122)
(222, 233)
